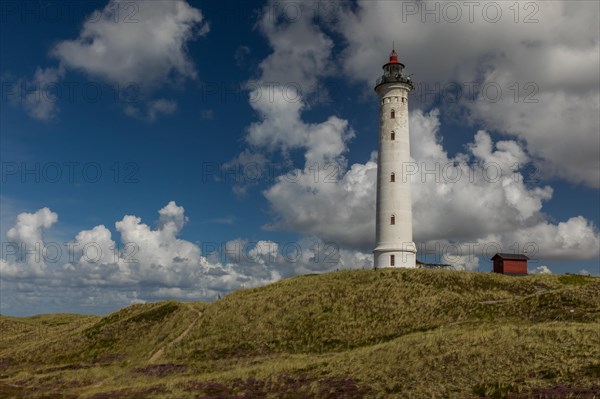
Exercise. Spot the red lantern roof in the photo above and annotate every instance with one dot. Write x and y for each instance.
(394, 59)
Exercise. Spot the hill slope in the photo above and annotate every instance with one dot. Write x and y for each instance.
(350, 334)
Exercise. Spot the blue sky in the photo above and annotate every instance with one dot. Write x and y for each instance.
(122, 109)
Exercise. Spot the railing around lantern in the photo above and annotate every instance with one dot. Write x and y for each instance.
(394, 79)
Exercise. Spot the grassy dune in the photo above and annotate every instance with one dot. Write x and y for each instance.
(348, 334)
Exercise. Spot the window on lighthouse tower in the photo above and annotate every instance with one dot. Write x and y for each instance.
(393, 177)
(393, 114)
(393, 219)
(393, 136)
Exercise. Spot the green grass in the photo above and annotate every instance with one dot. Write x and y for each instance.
(574, 279)
(349, 334)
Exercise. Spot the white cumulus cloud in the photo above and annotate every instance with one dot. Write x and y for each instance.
(23, 252)
(138, 47)
(541, 270)
(141, 42)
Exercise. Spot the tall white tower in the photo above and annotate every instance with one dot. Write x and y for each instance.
(394, 242)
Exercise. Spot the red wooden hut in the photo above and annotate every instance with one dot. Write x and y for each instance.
(511, 264)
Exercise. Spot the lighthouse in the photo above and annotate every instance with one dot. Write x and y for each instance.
(394, 242)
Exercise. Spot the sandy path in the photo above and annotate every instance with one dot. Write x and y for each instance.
(181, 336)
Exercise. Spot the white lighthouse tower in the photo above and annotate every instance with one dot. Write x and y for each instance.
(394, 241)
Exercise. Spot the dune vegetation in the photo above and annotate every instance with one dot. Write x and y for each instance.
(347, 334)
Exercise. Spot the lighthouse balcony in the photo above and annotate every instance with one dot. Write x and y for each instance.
(394, 79)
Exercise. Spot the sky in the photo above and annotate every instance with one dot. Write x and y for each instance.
(182, 150)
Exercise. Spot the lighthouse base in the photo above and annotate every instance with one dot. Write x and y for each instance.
(395, 258)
